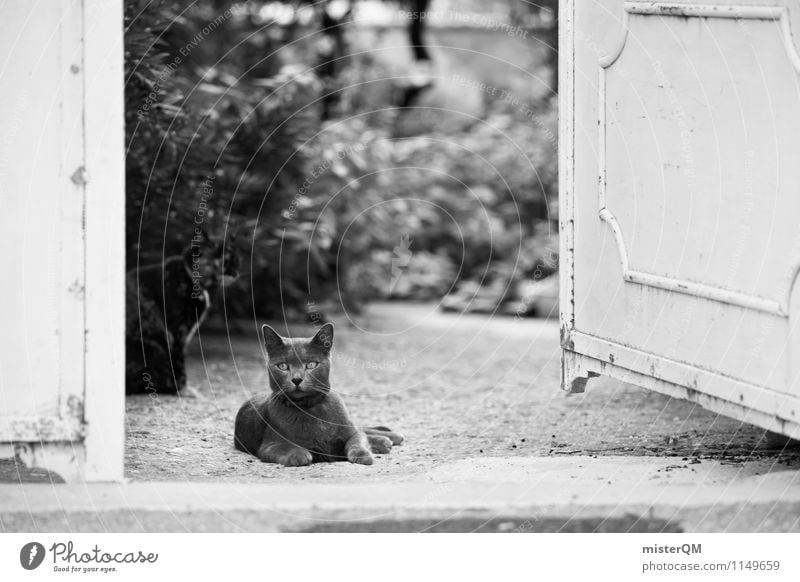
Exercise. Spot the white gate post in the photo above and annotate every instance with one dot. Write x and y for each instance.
(104, 118)
(62, 187)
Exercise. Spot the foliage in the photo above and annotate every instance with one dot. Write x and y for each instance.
(227, 129)
(220, 110)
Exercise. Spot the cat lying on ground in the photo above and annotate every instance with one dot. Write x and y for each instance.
(165, 304)
(301, 421)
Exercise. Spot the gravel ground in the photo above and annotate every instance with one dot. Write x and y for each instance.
(457, 386)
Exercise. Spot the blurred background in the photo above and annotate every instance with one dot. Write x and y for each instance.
(361, 151)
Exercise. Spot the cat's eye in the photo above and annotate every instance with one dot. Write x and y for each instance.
(311, 365)
(283, 366)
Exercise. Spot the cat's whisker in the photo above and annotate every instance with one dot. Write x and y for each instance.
(315, 383)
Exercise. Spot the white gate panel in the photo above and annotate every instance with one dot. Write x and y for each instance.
(61, 183)
(681, 246)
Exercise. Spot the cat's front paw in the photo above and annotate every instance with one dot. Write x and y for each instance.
(379, 444)
(360, 455)
(295, 458)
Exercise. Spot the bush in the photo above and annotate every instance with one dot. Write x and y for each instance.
(228, 128)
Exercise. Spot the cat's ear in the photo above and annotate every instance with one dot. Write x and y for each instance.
(323, 339)
(272, 339)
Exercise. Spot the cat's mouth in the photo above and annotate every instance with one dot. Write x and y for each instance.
(305, 397)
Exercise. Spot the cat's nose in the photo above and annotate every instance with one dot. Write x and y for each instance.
(297, 380)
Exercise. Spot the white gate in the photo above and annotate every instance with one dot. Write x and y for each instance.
(62, 224)
(680, 216)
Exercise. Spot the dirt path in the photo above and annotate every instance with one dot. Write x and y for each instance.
(457, 386)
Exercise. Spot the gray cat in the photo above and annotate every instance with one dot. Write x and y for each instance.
(301, 421)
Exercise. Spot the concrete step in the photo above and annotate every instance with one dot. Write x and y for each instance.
(480, 494)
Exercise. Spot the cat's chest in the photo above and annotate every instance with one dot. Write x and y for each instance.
(320, 430)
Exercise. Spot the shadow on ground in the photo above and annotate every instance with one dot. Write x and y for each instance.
(627, 524)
